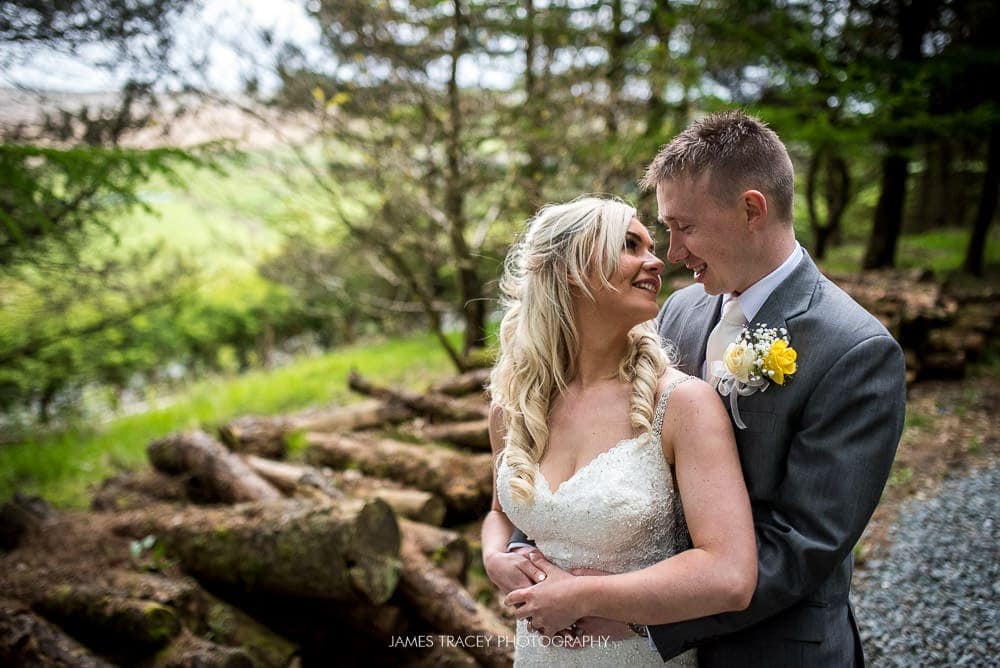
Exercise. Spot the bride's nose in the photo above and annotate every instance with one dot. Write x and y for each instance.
(653, 263)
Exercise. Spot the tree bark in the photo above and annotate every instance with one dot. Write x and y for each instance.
(344, 550)
(881, 251)
(312, 483)
(465, 482)
(99, 613)
(449, 607)
(446, 549)
(134, 490)
(986, 210)
(265, 436)
(461, 385)
(20, 516)
(28, 640)
(430, 404)
(414, 504)
(294, 479)
(215, 473)
(207, 616)
(474, 434)
(187, 651)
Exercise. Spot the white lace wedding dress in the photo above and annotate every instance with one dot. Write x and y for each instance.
(620, 512)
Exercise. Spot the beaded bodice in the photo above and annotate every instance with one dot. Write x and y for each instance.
(620, 512)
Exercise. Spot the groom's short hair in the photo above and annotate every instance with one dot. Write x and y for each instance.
(738, 151)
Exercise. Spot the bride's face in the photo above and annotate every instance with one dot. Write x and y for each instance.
(636, 283)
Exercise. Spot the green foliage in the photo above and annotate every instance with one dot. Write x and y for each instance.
(57, 197)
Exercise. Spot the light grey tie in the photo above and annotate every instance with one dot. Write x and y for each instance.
(726, 331)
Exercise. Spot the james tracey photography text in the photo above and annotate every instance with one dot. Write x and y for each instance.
(441, 640)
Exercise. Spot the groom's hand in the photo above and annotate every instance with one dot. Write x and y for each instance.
(513, 570)
(548, 605)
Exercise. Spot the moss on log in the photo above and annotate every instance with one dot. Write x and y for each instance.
(345, 550)
(214, 473)
(463, 481)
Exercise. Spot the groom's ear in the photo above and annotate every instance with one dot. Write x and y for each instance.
(755, 207)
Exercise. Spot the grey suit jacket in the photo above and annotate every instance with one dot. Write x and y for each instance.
(816, 456)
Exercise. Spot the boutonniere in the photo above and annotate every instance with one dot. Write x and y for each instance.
(759, 357)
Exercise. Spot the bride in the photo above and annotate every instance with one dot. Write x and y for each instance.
(598, 445)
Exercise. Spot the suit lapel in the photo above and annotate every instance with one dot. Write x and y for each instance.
(791, 297)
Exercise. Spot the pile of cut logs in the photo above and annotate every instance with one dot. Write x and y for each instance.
(242, 557)
(941, 326)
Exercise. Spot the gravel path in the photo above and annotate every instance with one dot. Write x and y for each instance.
(934, 601)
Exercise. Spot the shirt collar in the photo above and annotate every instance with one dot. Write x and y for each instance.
(753, 298)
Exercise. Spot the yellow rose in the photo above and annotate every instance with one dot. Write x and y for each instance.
(780, 360)
(738, 359)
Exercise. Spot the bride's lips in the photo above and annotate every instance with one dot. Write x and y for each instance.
(651, 285)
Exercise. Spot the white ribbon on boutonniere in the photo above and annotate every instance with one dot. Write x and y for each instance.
(759, 357)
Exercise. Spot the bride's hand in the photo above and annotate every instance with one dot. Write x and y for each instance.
(512, 570)
(548, 605)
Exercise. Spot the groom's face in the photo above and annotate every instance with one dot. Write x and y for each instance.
(708, 236)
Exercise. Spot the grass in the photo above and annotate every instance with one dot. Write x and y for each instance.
(64, 467)
(942, 251)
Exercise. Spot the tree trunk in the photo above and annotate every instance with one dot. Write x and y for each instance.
(986, 210)
(912, 21)
(295, 480)
(188, 651)
(339, 550)
(414, 504)
(311, 483)
(465, 482)
(461, 385)
(93, 612)
(19, 517)
(265, 436)
(207, 616)
(829, 168)
(432, 405)
(447, 606)
(881, 251)
(134, 490)
(28, 640)
(215, 472)
(474, 434)
(447, 549)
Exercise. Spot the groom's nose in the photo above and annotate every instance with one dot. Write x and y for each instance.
(676, 251)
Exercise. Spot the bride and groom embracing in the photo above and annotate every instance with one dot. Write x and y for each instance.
(657, 516)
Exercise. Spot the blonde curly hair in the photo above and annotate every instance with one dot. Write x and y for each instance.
(563, 245)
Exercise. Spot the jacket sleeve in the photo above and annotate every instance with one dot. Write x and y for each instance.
(519, 539)
(837, 466)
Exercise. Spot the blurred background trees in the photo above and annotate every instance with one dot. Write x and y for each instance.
(410, 140)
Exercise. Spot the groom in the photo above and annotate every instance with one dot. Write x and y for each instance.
(817, 449)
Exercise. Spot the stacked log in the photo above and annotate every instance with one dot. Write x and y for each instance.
(348, 545)
(267, 436)
(940, 327)
(463, 481)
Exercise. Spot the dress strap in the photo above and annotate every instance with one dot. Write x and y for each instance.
(661, 405)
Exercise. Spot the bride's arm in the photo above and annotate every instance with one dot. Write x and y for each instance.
(508, 570)
(718, 574)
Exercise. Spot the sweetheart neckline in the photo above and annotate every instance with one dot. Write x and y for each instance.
(577, 472)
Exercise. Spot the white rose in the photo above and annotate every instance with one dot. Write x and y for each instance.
(739, 360)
